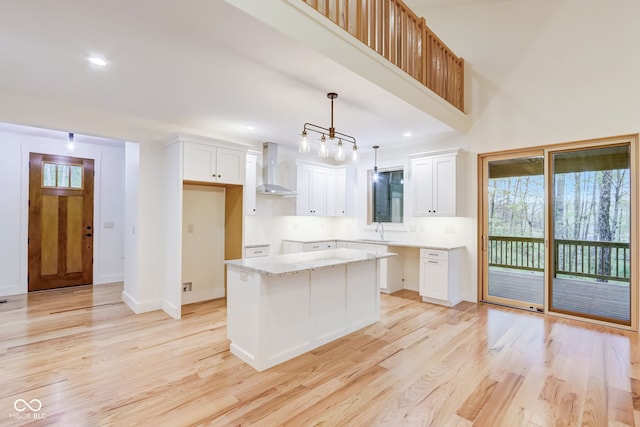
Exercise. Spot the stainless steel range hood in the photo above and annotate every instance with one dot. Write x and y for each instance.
(270, 172)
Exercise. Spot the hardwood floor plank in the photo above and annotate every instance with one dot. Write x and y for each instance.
(92, 362)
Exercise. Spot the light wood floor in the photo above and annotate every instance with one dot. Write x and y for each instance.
(90, 361)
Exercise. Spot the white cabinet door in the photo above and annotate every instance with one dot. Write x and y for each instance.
(434, 185)
(434, 280)
(444, 186)
(208, 163)
(341, 193)
(330, 193)
(318, 194)
(303, 187)
(199, 162)
(421, 177)
(230, 166)
(250, 185)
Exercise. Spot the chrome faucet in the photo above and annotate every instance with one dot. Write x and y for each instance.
(380, 230)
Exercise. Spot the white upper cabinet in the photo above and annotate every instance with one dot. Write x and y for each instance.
(210, 163)
(341, 192)
(433, 180)
(322, 190)
(330, 199)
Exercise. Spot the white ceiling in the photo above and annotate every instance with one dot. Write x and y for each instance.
(200, 65)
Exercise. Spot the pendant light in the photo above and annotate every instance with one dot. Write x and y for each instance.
(375, 163)
(331, 133)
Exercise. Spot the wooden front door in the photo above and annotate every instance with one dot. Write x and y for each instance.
(60, 221)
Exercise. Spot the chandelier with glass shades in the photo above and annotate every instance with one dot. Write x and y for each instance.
(337, 139)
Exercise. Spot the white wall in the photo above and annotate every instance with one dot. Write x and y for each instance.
(145, 227)
(575, 80)
(108, 206)
(203, 219)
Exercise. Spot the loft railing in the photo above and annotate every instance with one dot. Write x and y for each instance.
(580, 258)
(392, 29)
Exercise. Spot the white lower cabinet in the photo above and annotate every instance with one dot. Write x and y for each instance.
(256, 251)
(439, 276)
(292, 246)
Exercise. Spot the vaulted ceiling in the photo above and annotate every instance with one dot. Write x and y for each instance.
(205, 67)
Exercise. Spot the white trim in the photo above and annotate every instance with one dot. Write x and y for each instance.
(108, 278)
(140, 307)
(171, 310)
(205, 295)
(11, 290)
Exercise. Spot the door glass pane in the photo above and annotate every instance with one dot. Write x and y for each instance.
(591, 232)
(49, 174)
(76, 176)
(63, 176)
(516, 230)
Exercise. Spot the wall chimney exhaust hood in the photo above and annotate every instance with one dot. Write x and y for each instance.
(270, 172)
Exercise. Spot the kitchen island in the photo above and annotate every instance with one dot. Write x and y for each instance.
(282, 306)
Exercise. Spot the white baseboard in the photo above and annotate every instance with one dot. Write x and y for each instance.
(140, 307)
(205, 295)
(171, 310)
(12, 290)
(108, 278)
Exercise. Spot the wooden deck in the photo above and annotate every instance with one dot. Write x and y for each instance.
(580, 296)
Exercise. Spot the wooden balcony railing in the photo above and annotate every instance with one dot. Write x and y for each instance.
(581, 258)
(523, 253)
(598, 260)
(392, 29)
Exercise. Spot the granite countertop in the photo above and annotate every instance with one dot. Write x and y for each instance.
(385, 243)
(303, 261)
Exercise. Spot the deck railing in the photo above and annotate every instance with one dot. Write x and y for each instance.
(392, 29)
(523, 253)
(598, 260)
(581, 258)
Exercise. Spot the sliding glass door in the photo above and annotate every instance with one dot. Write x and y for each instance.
(558, 230)
(513, 236)
(591, 233)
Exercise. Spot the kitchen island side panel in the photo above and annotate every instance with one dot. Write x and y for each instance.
(284, 317)
(243, 294)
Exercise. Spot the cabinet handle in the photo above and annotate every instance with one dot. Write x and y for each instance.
(433, 262)
(219, 176)
(254, 209)
(434, 254)
(257, 252)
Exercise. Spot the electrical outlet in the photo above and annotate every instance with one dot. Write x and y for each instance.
(186, 286)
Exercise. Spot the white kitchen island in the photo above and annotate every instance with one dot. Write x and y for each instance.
(282, 306)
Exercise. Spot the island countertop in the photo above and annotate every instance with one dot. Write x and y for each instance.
(302, 261)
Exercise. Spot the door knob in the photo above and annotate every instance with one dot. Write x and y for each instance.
(88, 234)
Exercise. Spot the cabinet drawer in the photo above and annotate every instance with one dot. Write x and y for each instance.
(318, 246)
(434, 254)
(256, 251)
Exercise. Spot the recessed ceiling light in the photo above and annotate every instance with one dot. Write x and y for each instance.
(407, 134)
(250, 127)
(95, 60)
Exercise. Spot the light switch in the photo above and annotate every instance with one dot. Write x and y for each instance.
(190, 228)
